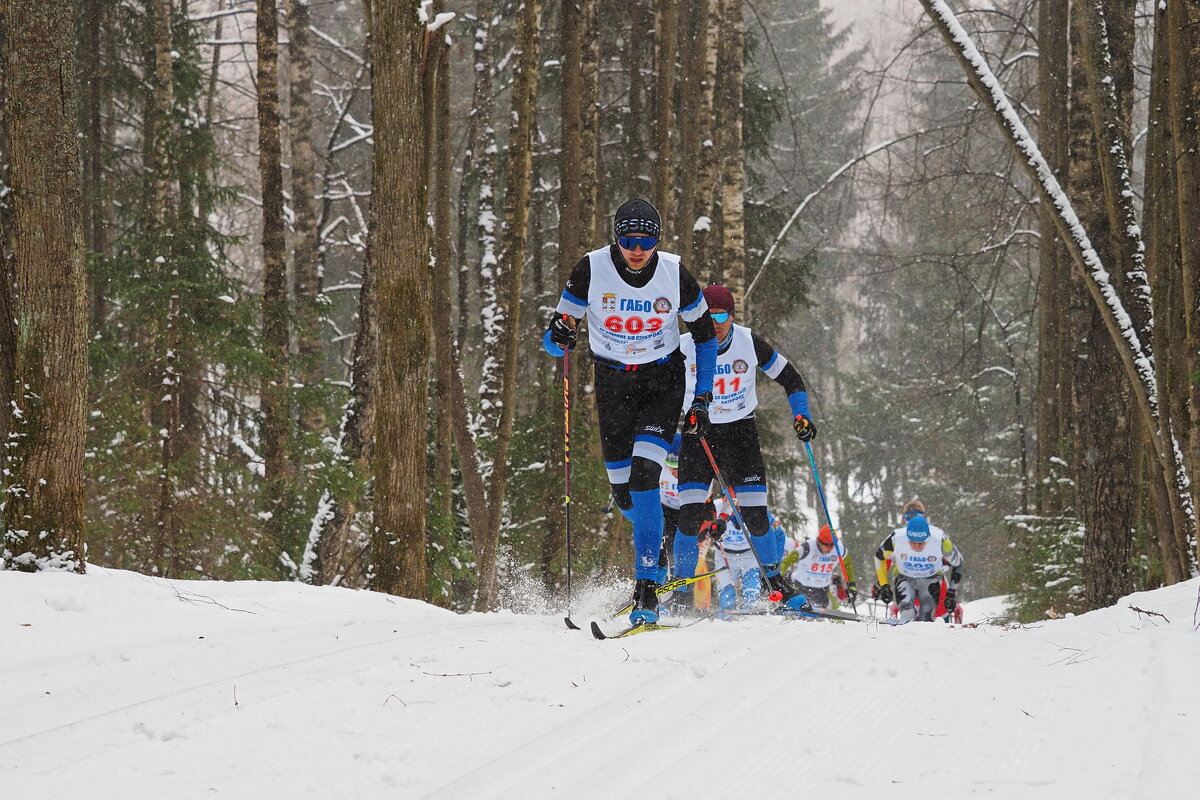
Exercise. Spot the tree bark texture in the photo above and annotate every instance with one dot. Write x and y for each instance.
(400, 256)
(442, 271)
(1182, 45)
(1162, 257)
(275, 412)
(1054, 263)
(43, 514)
(729, 148)
(1100, 391)
(666, 17)
(305, 263)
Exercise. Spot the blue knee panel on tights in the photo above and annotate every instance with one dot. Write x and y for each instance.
(764, 548)
(647, 518)
(687, 554)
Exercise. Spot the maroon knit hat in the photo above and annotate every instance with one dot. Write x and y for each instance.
(718, 297)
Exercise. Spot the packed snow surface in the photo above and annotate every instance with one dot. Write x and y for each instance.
(119, 685)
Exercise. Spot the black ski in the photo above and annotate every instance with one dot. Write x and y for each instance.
(644, 627)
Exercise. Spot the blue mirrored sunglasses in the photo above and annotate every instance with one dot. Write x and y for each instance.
(720, 316)
(634, 242)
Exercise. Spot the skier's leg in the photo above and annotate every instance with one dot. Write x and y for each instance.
(906, 596)
(927, 598)
(616, 412)
(742, 462)
(694, 478)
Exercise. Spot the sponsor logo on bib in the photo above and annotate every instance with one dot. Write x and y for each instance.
(608, 301)
(662, 306)
(740, 366)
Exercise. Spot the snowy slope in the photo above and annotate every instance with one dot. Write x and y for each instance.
(118, 685)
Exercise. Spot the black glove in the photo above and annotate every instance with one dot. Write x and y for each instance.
(885, 593)
(950, 602)
(562, 332)
(708, 530)
(805, 430)
(696, 419)
(852, 591)
(779, 583)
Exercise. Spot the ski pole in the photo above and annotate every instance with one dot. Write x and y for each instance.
(737, 511)
(567, 469)
(837, 540)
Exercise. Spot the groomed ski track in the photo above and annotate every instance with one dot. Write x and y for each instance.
(120, 685)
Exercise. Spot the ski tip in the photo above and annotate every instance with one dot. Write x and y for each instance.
(570, 624)
(599, 634)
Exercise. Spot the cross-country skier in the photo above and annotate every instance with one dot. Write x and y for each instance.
(814, 568)
(630, 293)
(733, 435)
(918, 553)
(743, 577)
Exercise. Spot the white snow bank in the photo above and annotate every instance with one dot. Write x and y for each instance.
(118, 685)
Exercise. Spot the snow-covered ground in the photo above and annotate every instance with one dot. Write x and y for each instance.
(118, 685)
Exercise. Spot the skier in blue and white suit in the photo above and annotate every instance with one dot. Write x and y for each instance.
(630, 293)
(733, 436)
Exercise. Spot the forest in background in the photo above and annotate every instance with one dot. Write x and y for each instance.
(296, 333)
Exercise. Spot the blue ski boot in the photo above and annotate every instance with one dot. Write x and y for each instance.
(798, 603)
(645, 602)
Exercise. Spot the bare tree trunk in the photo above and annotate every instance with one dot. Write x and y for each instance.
(702, 260)
(1054, 270)
(399, 234)
(43, 476)
(163, 212)
(1182, 44)
(666, 18)
(305, 262)
(275, 299)
(1162, 259)
(692, 107)
(511, 263)
(634, 60)
(1103, 437)
(8, 331)
(478, 159)
(592, 217)
(443, 267)
(732, 180)
(570, 227)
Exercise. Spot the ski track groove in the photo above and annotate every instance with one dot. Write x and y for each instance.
(548, 760)
(27, 746)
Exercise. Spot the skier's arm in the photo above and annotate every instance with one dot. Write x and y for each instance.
(882, 556)
(789, 561)
(780, 370)
(560, 333)
(695, 315)
(953, 558)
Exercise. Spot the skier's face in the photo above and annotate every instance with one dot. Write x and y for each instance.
(722, 328)
(637, 257)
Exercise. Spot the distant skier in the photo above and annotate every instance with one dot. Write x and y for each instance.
(814, 568)
(913, 559)
(733, 435)
(743, 577)
(630, 293)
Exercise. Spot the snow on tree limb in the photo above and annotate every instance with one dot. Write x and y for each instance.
(988, 87)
